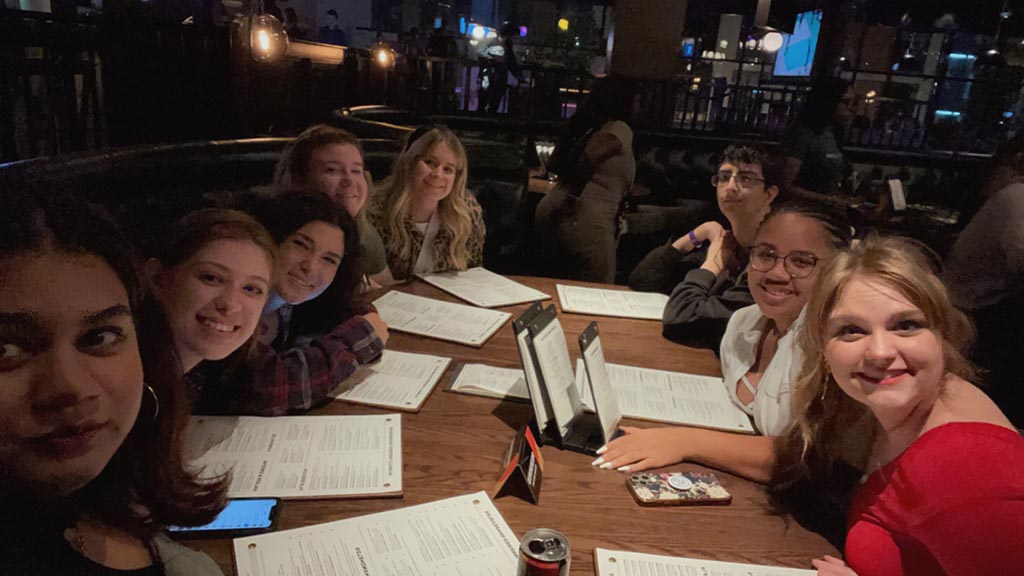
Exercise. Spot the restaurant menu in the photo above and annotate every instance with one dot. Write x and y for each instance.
(492, 381)
(617, 303)
(437, 319)
(401, 380)
(671, 397)
(620, 563)
(461, 536)
(300, 456)
(481, 287)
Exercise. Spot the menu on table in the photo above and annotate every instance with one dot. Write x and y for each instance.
(481, 287)
(300, 456)
(438, 319)
(461, 536)
(617, 303)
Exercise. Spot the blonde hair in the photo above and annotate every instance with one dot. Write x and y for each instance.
(819, 458)
(821, 411)
(453, 211)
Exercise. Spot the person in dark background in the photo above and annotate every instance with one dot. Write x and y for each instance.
(985, 277)
(502, 62)
(331, 34)
(814, 161)
(577, 222)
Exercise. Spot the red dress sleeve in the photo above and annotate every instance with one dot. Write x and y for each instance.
(952, 503)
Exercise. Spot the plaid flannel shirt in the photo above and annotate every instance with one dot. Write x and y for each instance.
(295, 378)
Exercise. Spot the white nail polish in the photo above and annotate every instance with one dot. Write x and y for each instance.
(597, 462)
(602, 449)
(606, 466)
(622, 469)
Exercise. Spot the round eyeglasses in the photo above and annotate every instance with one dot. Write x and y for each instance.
(744, 180)
(797, 264)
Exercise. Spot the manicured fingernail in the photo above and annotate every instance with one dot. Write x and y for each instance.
(623, 469)
(597, 462)
(602, 450)
(606, 466)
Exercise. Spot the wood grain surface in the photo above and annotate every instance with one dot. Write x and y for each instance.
(455, 444)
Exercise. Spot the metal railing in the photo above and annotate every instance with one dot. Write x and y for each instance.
(72, 83)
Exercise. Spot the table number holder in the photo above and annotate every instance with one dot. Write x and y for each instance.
(523, 468)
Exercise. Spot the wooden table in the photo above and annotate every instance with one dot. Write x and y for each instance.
(455, 445)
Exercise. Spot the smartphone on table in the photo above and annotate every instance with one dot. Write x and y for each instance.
(677, 489)
(241, 517)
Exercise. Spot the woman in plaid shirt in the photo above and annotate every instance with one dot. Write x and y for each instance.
(313, 330)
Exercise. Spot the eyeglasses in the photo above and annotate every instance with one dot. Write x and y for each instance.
(798, 264)
(743, 179)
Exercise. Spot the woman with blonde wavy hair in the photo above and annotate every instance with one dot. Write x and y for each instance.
(886, 391)
(427, 219)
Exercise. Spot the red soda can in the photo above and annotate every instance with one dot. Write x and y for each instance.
(544, 552)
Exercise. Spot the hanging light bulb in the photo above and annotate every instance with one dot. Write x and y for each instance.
(383, 55)
(267, 38)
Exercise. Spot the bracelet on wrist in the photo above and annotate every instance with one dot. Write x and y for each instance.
(693, 240)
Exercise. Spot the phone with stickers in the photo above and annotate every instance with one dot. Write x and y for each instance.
(677, 489)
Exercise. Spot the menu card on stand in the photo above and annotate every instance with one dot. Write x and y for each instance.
(401, 380)
(621, 563)
(491, 381)
(481, 287)
(671, 397)
(437, 319)
(618, 303)
(300, 456)
(461, 535)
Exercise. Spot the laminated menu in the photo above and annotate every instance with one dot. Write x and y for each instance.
(617, 303)
(670, 397)
(481, 287)
(464, 535)
(300, 456)
(438, 319)
(401, 381)
(620, 563)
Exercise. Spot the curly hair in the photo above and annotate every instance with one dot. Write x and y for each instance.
(285, 215)
(453, 211)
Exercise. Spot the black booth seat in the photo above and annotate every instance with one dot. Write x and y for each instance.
(148, 187)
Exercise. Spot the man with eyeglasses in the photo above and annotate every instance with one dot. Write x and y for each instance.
(703, 269)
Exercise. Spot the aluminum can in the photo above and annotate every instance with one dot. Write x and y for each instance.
(544, 552)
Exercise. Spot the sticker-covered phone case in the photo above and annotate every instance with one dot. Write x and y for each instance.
(677, 489)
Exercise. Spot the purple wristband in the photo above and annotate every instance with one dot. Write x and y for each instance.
(693, 240)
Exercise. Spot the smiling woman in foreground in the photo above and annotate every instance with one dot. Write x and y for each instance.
(886, 389)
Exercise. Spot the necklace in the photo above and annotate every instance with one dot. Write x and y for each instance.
(76, 538)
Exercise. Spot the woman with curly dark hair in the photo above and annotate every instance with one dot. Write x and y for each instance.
(315, 329)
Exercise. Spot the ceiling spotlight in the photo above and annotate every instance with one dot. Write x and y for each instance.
(773, 41)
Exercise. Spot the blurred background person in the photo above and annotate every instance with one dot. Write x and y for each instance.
(577, 223)
(985, 276)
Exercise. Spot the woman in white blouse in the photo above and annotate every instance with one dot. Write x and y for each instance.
(759, 352)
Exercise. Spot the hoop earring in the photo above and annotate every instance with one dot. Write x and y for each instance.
(156, 401)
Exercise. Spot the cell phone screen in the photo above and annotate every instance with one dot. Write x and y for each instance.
(250, 515)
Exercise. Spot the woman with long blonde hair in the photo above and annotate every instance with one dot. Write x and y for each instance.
(886, 391)
(427, 219)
